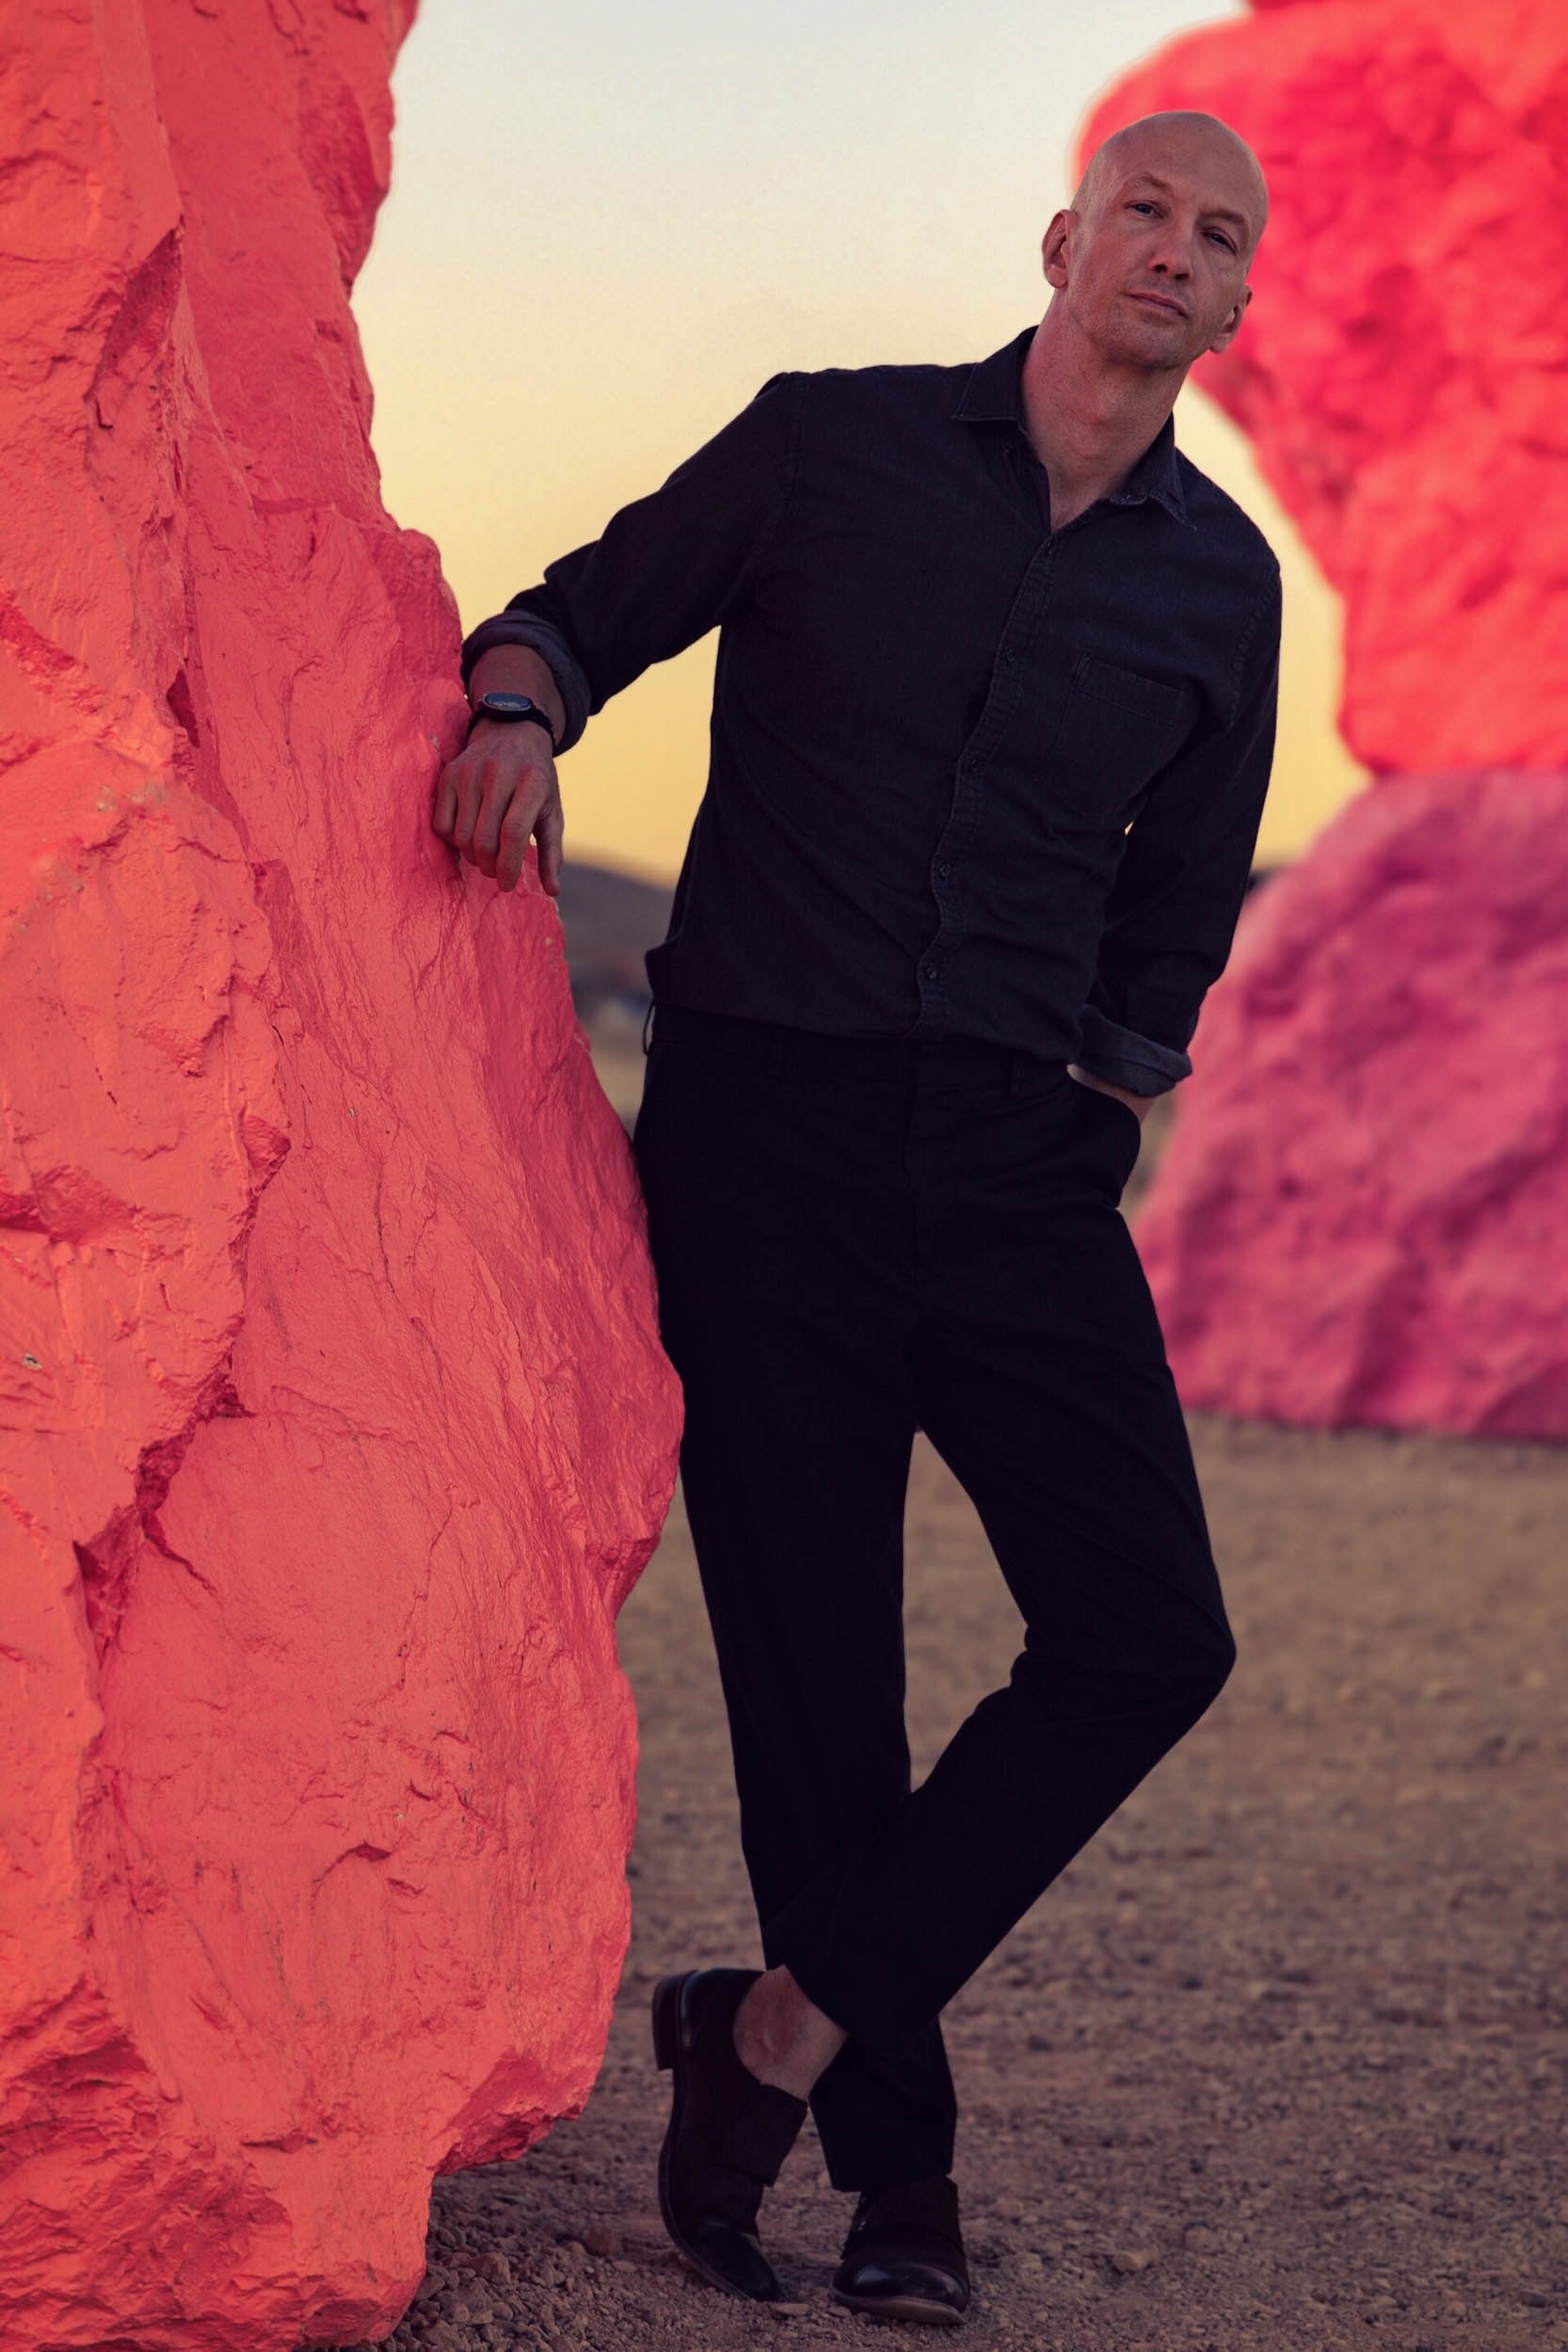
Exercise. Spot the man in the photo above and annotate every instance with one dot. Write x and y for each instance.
(993, 719)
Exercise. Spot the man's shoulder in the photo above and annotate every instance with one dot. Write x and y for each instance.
(916, 383)
(1216, 513)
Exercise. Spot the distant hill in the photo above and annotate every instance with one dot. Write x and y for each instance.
(610, 919)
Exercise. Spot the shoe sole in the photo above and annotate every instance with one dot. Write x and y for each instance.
(903, 2307)
(668, 2051)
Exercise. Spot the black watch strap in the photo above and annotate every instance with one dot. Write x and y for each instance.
(511, 710)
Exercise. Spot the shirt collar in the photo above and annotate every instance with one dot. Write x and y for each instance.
(993, 395)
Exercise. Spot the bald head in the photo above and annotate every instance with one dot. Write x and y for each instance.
(1180, 147)
(1149, 264)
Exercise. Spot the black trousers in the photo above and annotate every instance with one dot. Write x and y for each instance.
(854, 1240)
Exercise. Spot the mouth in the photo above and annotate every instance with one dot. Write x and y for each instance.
(1159, 302)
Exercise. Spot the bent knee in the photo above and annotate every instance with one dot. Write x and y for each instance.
(1198, 1661)
(1215, 1658)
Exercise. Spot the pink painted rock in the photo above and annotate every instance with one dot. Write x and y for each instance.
(1360, 1216)
(334, 1425)
(1362, 1219)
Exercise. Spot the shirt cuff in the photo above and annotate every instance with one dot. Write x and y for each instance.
(523, 629)
(1120, 1056)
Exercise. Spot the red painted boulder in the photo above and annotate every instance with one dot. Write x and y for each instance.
(1401, 373)
(1353, 1224)
(334, 1427)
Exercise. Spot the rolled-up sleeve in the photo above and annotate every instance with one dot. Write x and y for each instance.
(665, 571)
(1183, 876)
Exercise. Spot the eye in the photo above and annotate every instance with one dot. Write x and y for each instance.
(1141, 204)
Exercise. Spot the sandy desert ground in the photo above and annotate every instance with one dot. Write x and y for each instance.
(1277, 2067)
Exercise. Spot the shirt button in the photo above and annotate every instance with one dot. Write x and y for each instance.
(1009, 655)
(930, 971)
(943, 871)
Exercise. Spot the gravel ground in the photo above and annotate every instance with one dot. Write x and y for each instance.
(1276, 2067)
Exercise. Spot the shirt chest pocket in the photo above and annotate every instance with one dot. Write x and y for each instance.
(1116, 731)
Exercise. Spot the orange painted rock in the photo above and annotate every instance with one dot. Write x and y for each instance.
(334, 1425)
(1359, 1218)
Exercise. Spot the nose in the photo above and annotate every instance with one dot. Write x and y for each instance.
(1172, 255)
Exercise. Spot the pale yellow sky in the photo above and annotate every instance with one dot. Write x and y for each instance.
(609, 225)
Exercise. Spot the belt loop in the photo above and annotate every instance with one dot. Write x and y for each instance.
(776, 1049)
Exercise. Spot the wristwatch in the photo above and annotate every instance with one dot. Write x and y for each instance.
(512, 710)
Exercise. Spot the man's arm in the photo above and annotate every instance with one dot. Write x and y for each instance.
(500, 792)
(665, 571)
(1183, 877)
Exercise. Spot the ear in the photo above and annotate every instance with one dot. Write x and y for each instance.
(1227, 333)
(1053, 248)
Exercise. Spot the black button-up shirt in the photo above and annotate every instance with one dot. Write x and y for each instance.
(968, 776)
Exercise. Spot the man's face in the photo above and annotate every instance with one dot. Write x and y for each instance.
(1153, 267)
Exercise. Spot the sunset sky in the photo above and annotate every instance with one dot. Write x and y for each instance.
(609, 223)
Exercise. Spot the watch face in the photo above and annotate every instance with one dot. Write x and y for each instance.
(513, 706)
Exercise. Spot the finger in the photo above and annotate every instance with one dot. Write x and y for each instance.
(503, 787)
(550, 832)
(444, 813)
(516, 829)
(468, 775)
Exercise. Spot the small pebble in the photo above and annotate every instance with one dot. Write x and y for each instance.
(442, 2337)
(601, 2240)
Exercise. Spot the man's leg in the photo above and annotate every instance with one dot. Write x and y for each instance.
(1041, 1377)
(782, 1240)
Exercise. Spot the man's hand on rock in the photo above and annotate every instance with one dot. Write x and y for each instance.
(498, 795)
(500, 792)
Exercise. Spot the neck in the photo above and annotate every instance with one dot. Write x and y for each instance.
(1088, 423)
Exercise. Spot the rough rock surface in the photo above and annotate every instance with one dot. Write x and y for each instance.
(1354, 1220)
(334, 1425)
